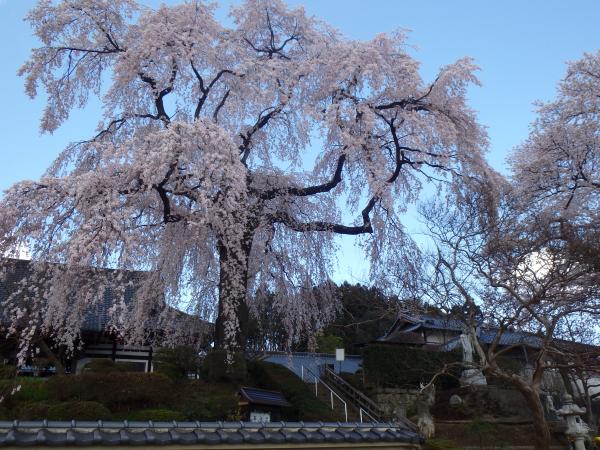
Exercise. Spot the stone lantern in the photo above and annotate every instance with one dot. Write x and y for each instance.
(577, 430)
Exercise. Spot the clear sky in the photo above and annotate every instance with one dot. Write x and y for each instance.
(520, 45)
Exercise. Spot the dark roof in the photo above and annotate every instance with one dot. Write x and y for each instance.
(99, 433)
(403, 332)
(263, 397)
(97, 315)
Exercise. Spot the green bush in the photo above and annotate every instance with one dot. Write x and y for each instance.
(176, 363)
(32, 389)
(31, 411)
(7, 372)
(216, 368)
(204, 401)
(8, 391)
(78, 410)
(166, 415)
(105, 365)
(305, 405)
(392, 366)
(116, 391)
(5, 413)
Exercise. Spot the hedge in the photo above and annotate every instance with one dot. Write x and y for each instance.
(216, 368)
(117, 391)
(214, 401)
(395, 366)
(79, 411)
(61, 411)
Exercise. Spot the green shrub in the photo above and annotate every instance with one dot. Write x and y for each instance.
(204, 401)
(78, 410)
(61, 411)
(216, 368)
(8, 391)
(305, 405)
(391, 366)
(7, 372)
(31, 411)
(176, 363)
(5, 413)
(33, 389)
(105, 365)
(156, 415)
(116, 391)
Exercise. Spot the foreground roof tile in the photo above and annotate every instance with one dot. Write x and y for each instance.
(247, 434)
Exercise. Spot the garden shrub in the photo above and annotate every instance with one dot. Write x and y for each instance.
(176, 363)
(79, 410)
(391, 366)
(8, 391)
(208, 402)
(31, 411)
(114, 390)
(216, 368)
(33, 389)
(165, 415)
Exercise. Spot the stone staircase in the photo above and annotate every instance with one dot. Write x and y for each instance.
(367, 409)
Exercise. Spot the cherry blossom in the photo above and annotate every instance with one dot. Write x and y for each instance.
(227, 159)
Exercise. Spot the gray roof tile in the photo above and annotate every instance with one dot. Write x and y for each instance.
(82, 433)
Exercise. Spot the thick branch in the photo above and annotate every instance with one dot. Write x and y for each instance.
(293, 224)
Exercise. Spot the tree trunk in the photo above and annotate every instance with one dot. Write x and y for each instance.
(541, 431)
(232, 322)
(542, 437)
(52, 357)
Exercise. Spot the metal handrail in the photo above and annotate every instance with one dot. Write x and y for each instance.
(375, 409)
(360, 413)
(318, 380)
(372, 405)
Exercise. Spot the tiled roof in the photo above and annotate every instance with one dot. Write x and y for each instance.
(99, 433)
(97, 316)
(485, 335)
(263, 397)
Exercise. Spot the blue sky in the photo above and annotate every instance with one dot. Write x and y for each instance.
(521, 47)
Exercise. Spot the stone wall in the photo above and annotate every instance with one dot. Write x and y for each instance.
(395, 401)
